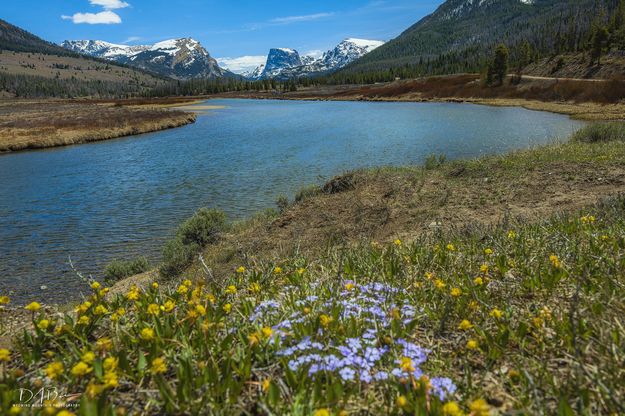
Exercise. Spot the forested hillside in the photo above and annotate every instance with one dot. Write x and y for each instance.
(31, 67)
(461, 35)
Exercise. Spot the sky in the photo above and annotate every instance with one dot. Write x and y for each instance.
(238, 33)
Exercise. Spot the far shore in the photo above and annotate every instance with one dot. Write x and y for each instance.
(37, 124)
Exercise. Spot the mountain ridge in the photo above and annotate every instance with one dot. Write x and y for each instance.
(179, 58)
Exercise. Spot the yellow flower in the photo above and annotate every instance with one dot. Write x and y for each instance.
(472, 344)
(154, 309)
(4, 300)
(93, 390)
(43, 324)
(439, 284)
(33, 306)
(147, 334)
(227, 308)
(588, 219)
(83, 320)
(182, 289)
(545, 313)
(88, 357)
(104, 344)
(159, 366)
(200, 309)
(325, 320)
(349, 286)
(455, 292)
(65, 413)
(81, 369)
(110, 363)
(133, 293)
(496, 313)
(231, 290)
(401, 401)
(277, 270)
(100, 310)
(95, 285)
(428, 275)
(253, 339)
(187, 283)
(154, 285)
(538, 322)
(555, 261)
(301, 271)
(110, 379)
(450, 247)
(15, 411)
(255, 287)
(479, 407)
(121, 311)
(5, 355)
(473, 305)
(267, 332)
(210, 297)
(397, 242)
(169, 306)
(241, 269)
(478, 281)
(484, 268)
(511, 234)
(266, 384)
(488, 251)
(54, 370)
(83, 307)
(321, 412)
(451, 409)
(406, 365)
(465, 325)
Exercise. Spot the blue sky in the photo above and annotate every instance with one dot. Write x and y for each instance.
(244, 30)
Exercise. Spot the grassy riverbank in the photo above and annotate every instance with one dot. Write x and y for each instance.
(49, 123)
(475, 286)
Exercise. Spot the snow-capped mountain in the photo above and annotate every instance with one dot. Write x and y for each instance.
(183, 58)
(103, 49)
(348, 51)
(283, 63)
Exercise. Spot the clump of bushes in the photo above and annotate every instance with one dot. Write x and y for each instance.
(600, 132)
(307, 192)
(202, 229)
(121, 269)
(434, 161)
(282, 202)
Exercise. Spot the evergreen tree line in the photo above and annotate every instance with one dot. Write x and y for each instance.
(32, 86)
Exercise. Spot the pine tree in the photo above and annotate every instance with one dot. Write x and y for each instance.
(500, 63)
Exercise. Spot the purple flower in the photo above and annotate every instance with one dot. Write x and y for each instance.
(347, 374)
(442, 387)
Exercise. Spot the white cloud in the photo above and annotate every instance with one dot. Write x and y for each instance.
(109, 4)
(296, 19)
(106, 17)
(242, 63)
(132, 39)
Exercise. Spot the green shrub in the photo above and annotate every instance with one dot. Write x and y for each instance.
(203, 227)
(434, 161)
(600, 132)
(307, 192)
(282, 202)
(177, 256)
(121, 269)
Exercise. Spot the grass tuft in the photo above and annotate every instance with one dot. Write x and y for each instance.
(600, 132)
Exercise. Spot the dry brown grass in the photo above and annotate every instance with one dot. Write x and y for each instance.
(40, 124)
(388, 203)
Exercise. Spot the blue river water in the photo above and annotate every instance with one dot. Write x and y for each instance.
(120, 198)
